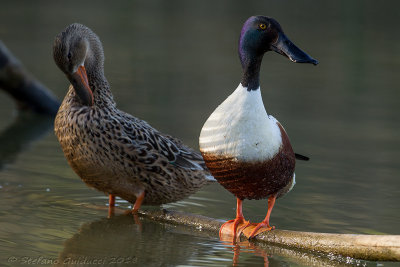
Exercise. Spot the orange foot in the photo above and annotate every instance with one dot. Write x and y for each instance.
(254, 229)
(233, 227)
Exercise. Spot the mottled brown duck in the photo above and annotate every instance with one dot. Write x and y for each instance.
(112, 151)
(247, 150)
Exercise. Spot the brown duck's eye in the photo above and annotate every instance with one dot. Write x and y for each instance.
(69, 55)
(262, 26)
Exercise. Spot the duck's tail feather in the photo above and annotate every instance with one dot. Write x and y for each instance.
(301, 157)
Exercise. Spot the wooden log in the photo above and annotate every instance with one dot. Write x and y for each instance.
(364, 247)
(28, 92)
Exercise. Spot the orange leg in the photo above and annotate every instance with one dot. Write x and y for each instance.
(231, 226)
(111, 205)
(111, 200)
(264, 225)
(138, 203)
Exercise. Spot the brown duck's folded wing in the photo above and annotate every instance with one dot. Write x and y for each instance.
(185, 157)
(150, 143)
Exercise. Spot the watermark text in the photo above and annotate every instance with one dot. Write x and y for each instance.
(79, 260)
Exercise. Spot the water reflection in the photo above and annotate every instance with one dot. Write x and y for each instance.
(280, 256)
(122, 240)
(25, 129)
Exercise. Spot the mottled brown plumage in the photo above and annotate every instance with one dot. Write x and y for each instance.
(109, 149)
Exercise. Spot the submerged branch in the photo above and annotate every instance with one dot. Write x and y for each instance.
(365, 247)
(23, 87)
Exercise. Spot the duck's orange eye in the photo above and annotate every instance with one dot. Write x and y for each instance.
(262, 26)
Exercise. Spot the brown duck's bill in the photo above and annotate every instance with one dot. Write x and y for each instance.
(80, 83)
(285, 47)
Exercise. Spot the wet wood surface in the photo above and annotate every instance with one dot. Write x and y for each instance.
(358, 246)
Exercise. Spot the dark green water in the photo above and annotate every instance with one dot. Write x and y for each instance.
(171, 63)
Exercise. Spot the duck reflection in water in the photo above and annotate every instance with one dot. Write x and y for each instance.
(162, 244)
(271, 255)
(245, 247)
(118, 241)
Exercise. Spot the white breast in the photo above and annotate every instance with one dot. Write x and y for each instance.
(241, 128)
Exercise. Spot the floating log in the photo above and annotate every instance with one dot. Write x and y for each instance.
(28, 92)
(364, 247)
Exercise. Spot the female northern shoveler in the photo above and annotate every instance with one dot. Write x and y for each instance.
(245, 149)
(109, 149)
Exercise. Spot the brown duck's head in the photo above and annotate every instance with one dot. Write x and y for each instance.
(78, 52)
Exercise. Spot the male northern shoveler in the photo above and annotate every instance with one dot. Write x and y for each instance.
(109, 149)
(247, 150)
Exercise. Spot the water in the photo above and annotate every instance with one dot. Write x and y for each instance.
(172, 63)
